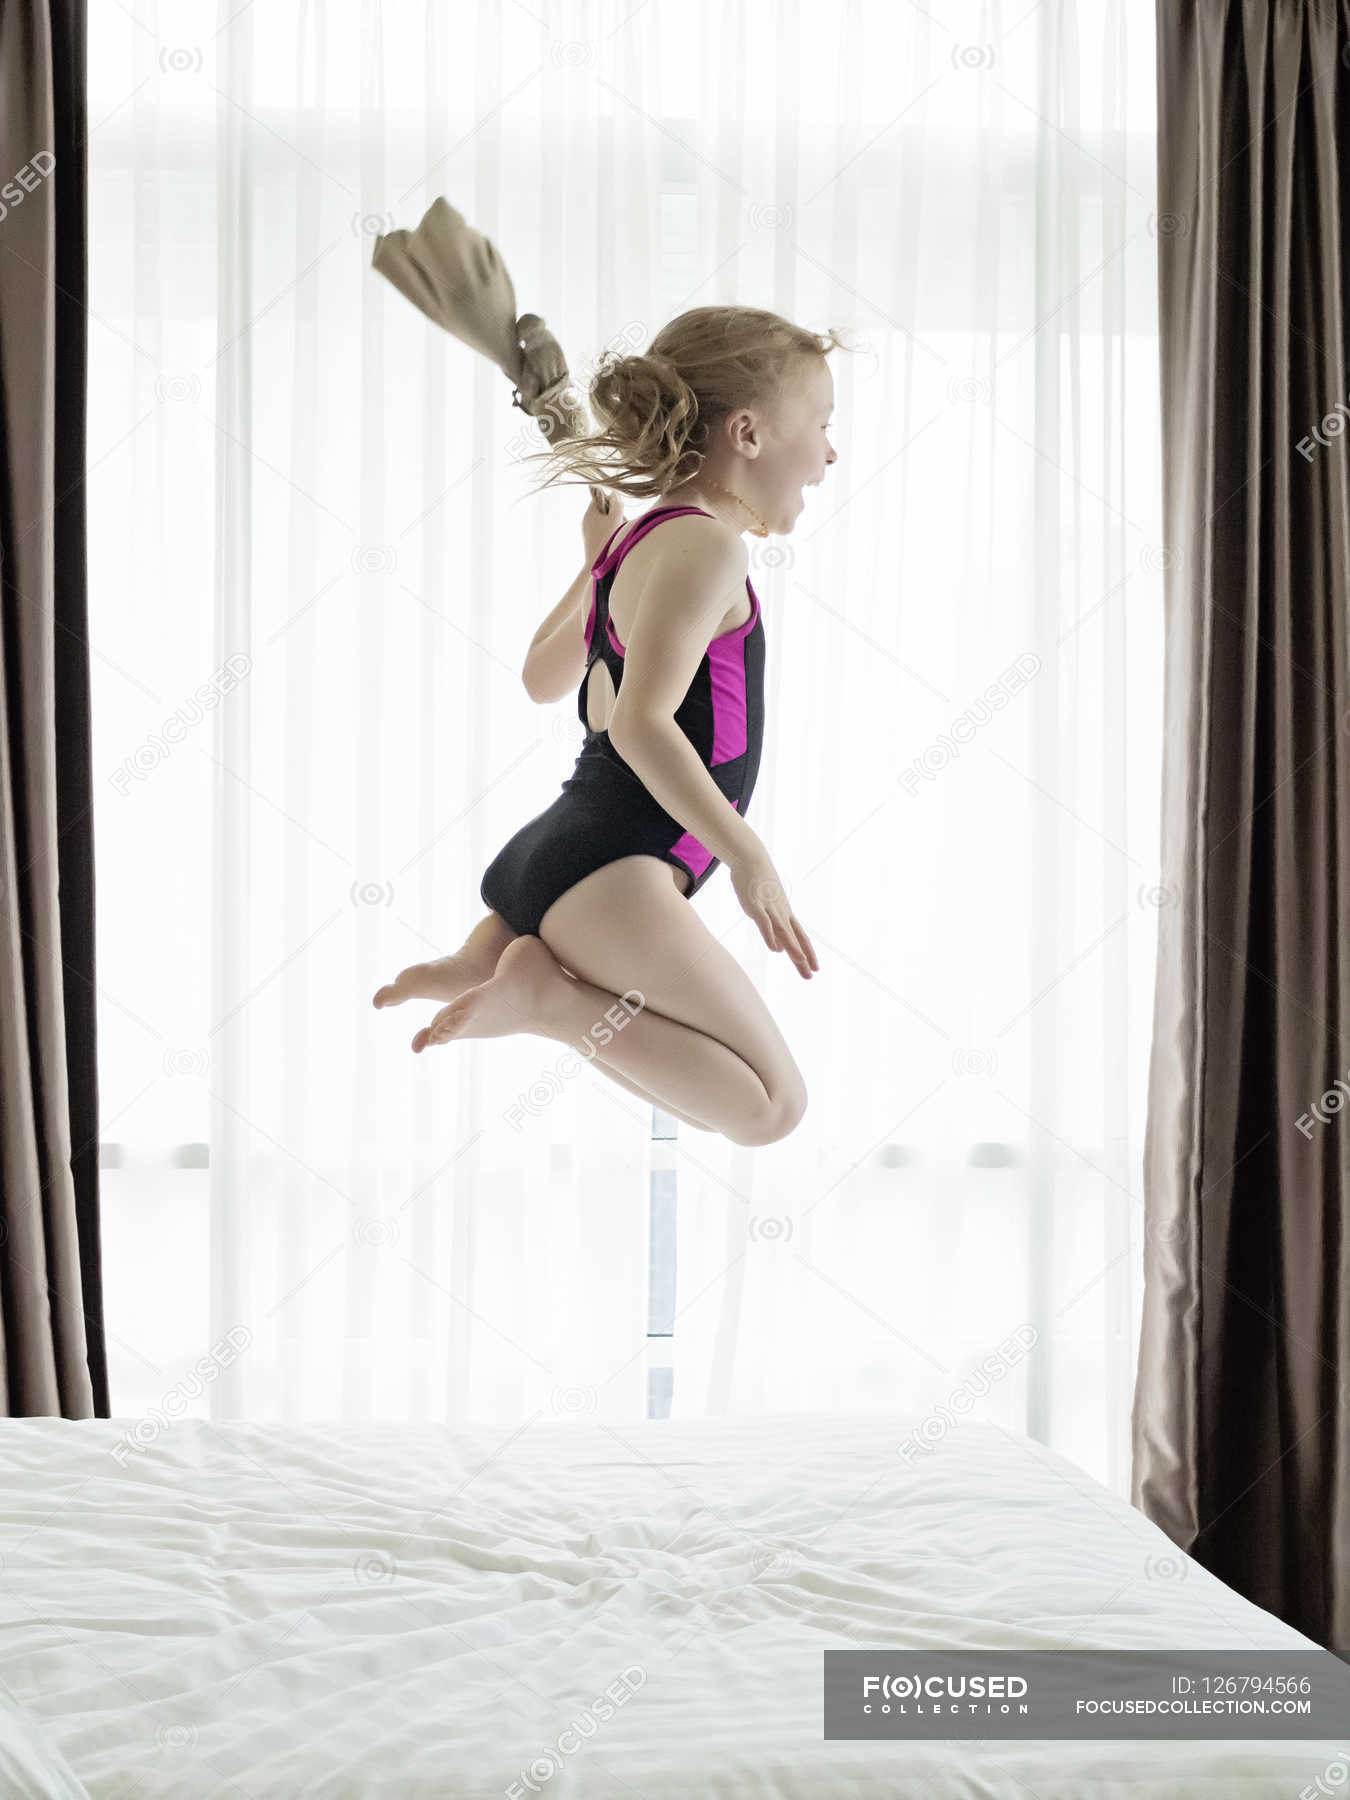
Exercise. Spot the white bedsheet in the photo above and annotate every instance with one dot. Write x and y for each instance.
(346, 1610)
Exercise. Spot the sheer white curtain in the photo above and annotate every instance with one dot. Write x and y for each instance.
(315, 566)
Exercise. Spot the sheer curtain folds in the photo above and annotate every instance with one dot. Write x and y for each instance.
(307, 507)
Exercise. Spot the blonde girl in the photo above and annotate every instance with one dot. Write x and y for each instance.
(724, 421)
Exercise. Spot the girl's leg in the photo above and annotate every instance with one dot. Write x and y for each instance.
(648, 1099)
(625, 1081)
(446, 977)
(703, 1041)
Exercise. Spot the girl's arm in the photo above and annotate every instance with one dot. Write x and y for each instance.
(556, 659)
(698, 573)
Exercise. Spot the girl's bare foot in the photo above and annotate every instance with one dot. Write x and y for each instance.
(513, 999)
(441, 979)
(446, 977)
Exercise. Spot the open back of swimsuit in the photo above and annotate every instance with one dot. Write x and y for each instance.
(604, 812)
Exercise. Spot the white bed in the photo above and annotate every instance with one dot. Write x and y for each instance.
(350, 1610)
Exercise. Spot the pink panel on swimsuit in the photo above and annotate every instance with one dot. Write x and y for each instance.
(692, 853)
(726, 675)
(726, 679)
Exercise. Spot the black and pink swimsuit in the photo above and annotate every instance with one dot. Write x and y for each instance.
(604, 812)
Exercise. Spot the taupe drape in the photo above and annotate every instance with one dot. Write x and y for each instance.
(1242, 1412)
(52, 1353)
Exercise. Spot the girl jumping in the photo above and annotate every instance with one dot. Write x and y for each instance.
(724, 421)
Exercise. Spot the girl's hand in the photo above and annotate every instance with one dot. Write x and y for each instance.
(764, 898)
(597, 528)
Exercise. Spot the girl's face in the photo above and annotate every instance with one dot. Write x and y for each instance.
(794, 449)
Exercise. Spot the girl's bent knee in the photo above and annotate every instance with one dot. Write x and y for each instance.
(780, 1118)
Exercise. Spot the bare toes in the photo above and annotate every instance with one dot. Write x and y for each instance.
(442, 1027)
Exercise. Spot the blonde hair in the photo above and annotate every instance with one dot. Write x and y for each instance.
(658, 409)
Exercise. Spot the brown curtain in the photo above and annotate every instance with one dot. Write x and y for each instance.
(52, 1351)
(1242, 1410)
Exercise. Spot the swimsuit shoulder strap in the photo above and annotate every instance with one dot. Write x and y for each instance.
(610, 557)
(604, 566)
(600, 596)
